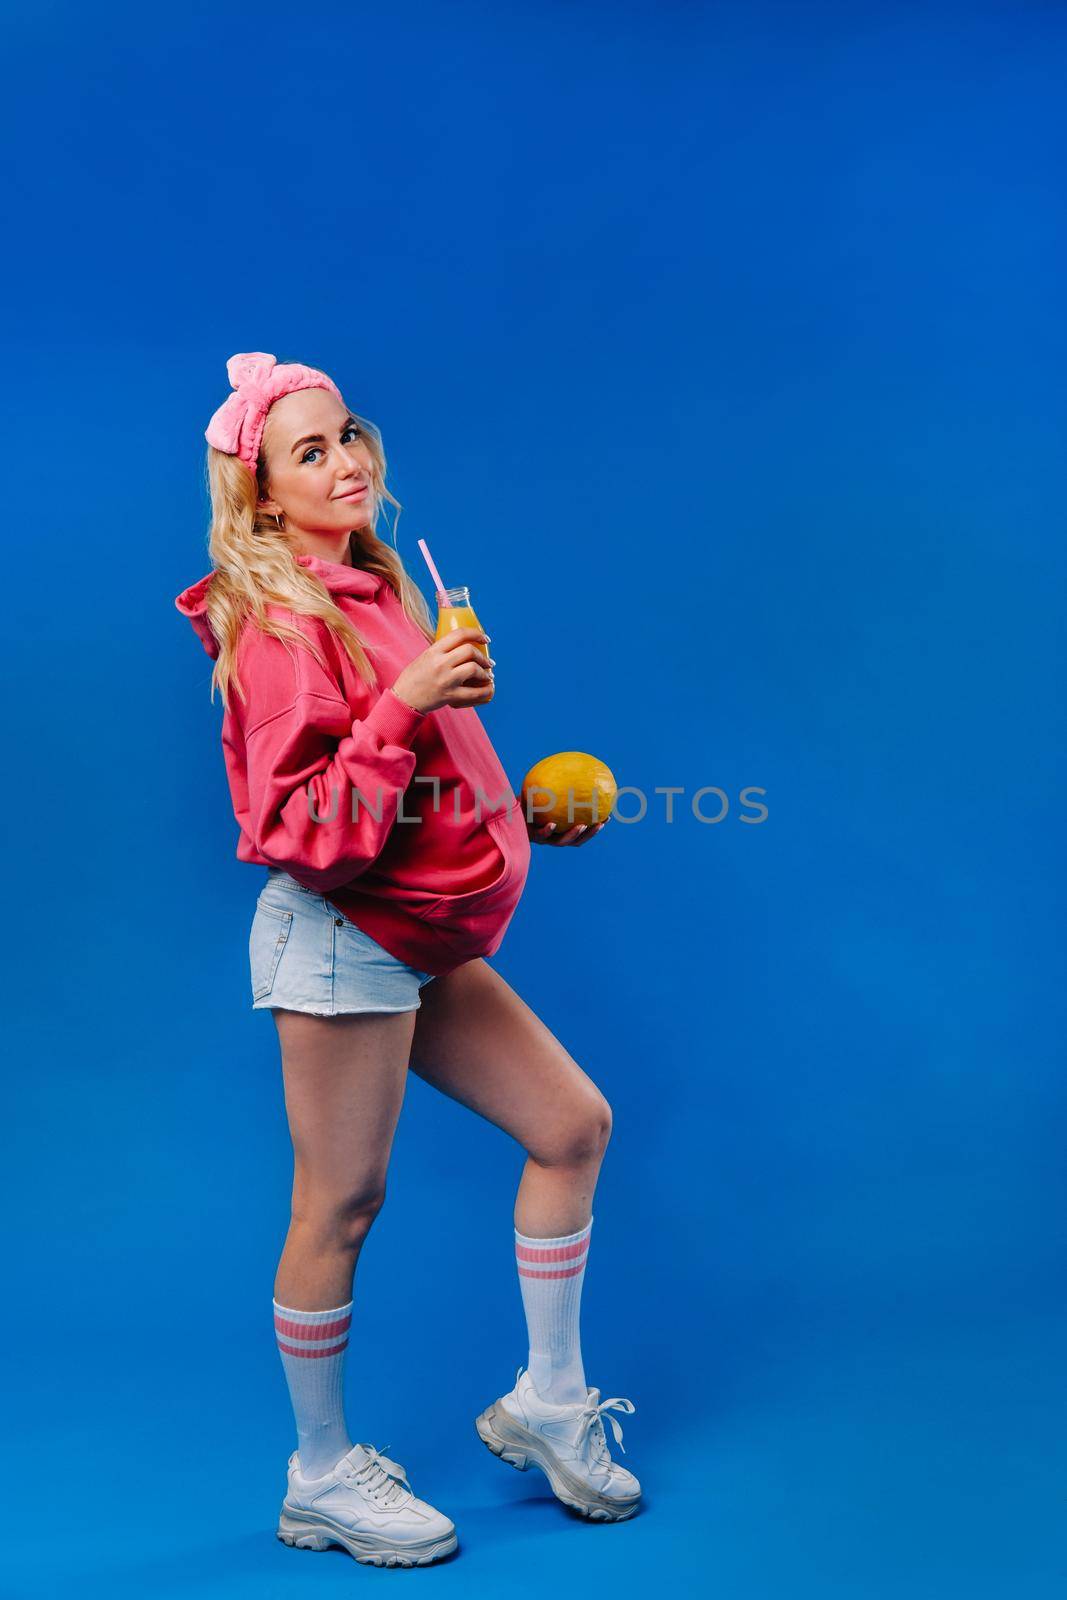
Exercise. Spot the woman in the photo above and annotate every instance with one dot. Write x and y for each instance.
(386, 888)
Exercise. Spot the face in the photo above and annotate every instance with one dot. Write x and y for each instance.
(321, 471)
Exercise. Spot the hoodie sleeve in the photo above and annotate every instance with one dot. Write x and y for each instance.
(305, 756)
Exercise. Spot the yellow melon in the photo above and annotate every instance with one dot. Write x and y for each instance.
(570, 778)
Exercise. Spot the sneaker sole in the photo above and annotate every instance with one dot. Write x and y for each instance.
(306, 1530)
(506, 1437)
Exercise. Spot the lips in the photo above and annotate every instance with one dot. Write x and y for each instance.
(354, 494)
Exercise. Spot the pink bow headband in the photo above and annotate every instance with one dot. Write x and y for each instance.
(257, 381)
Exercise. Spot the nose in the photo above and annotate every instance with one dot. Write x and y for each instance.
(350, 465)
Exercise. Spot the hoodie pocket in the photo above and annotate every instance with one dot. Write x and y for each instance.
(462, 910)
(270, 929)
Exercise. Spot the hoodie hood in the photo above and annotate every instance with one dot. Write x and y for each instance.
(335, 575)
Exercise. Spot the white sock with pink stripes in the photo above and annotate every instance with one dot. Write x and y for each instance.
(550, 1277)
(312, 1347)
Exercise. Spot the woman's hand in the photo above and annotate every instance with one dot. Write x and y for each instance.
(548, 832)
(452, 672)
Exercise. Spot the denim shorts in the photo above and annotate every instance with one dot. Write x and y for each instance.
(304, 956)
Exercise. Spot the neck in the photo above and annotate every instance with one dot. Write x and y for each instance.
(336, 547)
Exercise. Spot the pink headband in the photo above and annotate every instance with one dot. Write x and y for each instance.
(237, 426)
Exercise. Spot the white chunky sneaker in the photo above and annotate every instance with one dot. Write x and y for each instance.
(366, 1505)
(568, 1444)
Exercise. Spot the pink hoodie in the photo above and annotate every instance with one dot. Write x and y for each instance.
(436, 879)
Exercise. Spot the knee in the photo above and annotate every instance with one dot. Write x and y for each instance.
(339, 1222)
(579, 1138)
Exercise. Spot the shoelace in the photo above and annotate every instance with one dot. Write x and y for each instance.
(591, 1421)
(384, 1480)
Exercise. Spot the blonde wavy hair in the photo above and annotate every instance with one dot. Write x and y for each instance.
(254, 566)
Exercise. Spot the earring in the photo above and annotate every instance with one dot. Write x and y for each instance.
(277, 519)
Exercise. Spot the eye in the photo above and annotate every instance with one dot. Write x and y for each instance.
(315, 450)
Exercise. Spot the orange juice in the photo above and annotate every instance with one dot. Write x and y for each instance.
(458, 613)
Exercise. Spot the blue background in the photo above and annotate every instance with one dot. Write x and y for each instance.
(720, 350)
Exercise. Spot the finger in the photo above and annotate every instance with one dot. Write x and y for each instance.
(471, 652)
(572, 835)
(471, 672)
(463, 636)
(468, 661)
(589, 833)
(465, 695)
(460, 636)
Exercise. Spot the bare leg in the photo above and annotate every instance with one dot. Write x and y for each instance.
(344, 1087)
(482, 1045)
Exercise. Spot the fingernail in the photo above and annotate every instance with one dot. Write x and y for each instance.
(551, 826)
(582, 828)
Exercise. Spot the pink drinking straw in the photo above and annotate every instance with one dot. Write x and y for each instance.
(434, 574)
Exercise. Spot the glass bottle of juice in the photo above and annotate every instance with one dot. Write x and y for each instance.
(455, 611)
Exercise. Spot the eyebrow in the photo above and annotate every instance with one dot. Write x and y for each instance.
(320, 438)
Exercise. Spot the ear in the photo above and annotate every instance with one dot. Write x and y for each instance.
(270, 507)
